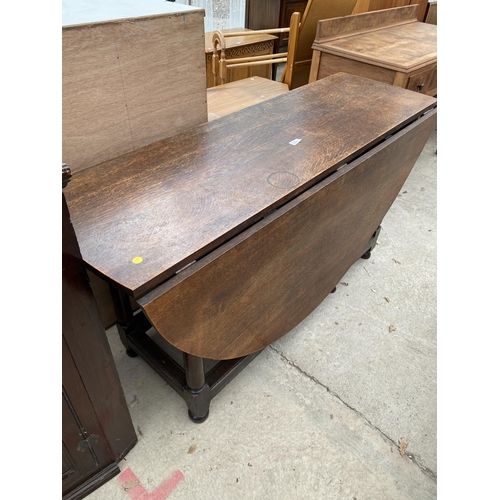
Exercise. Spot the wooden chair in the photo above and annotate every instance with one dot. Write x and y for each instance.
(227, 98)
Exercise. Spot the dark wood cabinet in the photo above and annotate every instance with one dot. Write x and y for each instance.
(262, 14)
(288, 7)
(268, 14)
(97, 429)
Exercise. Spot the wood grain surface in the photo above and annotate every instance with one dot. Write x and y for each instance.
(405, 47)
(127, 84)
(330, 64)
(257, 287)
(330, 29)
(233, 96)
(314, 11)
(172, 202)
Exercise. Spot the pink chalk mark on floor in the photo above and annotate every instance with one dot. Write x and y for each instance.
(136, 490)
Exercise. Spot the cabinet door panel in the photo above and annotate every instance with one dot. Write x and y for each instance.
(85, 450)
(288, 8)
(77, 463)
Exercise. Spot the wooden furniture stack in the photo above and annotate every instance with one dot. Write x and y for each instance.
(229, 234)
(230, 96)
(132, 73)
(390, 46)
(97, 431)
(239, 47)
(263, 14)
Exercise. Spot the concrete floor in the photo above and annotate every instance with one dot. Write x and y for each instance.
(320, 413)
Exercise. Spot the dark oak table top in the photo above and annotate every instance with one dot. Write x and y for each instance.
(143, 216)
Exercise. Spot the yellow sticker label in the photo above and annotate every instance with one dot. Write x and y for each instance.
(137, 260)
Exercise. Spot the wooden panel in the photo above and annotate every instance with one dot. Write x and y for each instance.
(287, 9)
(262, 14)
(231, 97)
(315, 10)
(331, 64)
(422, 8)
(88, 346)
(256, 288)
(94, 115)
(331, 29)
(237, 47)
(79, 422)
(127, 84)
(179, 198)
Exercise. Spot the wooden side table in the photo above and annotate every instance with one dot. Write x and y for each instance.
(237, 47)
(390, 46)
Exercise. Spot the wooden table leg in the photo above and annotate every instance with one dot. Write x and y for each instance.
(199, 392)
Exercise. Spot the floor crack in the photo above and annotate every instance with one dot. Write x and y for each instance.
(391, 441)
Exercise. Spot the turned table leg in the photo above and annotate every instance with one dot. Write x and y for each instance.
(198, 397)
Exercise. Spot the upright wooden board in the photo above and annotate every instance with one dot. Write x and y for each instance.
(423, 6)
(340, 27)
(315, 10)
(128, 83)
(257, 287)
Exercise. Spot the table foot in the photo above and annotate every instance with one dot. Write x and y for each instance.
(367, 255)
(198, 420)
(197, 391)
(367, 251)
(131, 353)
